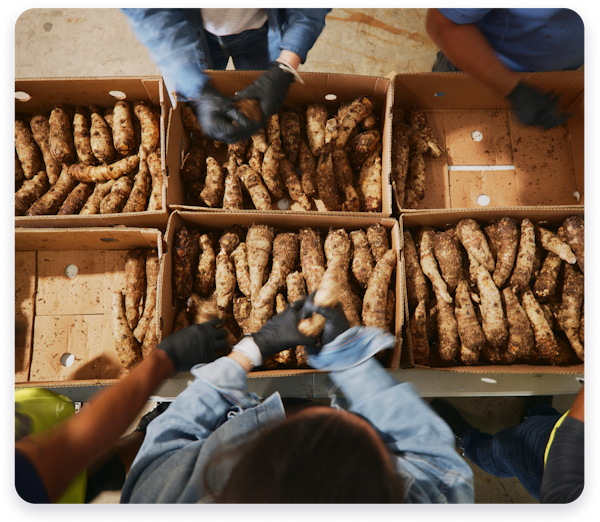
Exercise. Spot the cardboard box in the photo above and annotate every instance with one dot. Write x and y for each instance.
(39, 95)
(491, 159)
(552, 216)
(64, 282)
(329, 89)
(288, 223)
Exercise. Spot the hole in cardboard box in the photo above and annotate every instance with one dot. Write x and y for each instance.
(22, 96)
(283, 204)
(488, 380)
(108, 239)
(476, 135)
(331, 97)
(440, 94)
(71, 271)
(67, 359)
(576, 195)
(483, 200)
(119, 95)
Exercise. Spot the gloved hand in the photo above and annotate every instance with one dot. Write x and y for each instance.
(536, 108)
(270, 89)
(216, 114)
(336, 322)
(194, 344)
(281, 332)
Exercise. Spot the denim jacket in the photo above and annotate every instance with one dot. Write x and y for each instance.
(177, 44)
(217, 412)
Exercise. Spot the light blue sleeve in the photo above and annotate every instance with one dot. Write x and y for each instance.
(464, 16)
(301, 28)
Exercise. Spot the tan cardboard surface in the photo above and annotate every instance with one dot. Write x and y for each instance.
(314, 90)
(44, 93)
(72, 315)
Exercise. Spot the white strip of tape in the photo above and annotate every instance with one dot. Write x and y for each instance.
(481, 167)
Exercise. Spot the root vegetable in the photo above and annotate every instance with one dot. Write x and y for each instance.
(289, 123)
(259, 139)
(183, 261)
(151, 338)
(229, 240)
(552, 243)
(416, 284)
(375, 298)
(308, 170)
(582, 326)
(255, 158)
(232, 197)
(378, 239)
(271, 172)
(116, 199)
(40, 128)
(51, 201)
(92, 205)
(316, 119)
(326, 183)
(181, 321)
(369, 183)
(150, 139)
(520, 334)
(135, 281)
(545, 284)
(62, 146)
(31, 191)
(425, 238)
(214, 187)
(569, 312)
(493, 320)
(575, 238)
(126, 345)
(259, 242)
(331, 130)
(242, 307)
(81, 137)
(473, 239)
(293, 184)
(123, 133)
(76, 199)
(273, 131)
(204, 281)
(262, 305)
(415, 182)
(258, 192)
(447, 332)
(493, 240)
(369, 122)
(115, 170)
(524, 263)
(101, 139)
(285, 255)
(400, 156)
(194, 165)
(312, 258)
(415, 140)
(418, 335)
(237, 150)
(362, 259)
(19, 175)
(296, 288)
(363, 145)
(508, 237)
(138, 198)
(189, 120)
(357, 111)
(472, 338)
(152, 266)
(418, 121)
(27, 149)
(156, 195)
(545, 341)
(447, 252)
(242, 273)
(342, 171)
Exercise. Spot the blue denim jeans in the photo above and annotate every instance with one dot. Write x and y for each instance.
(248, 49)
(517, 451)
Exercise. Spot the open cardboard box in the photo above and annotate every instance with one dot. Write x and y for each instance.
(287, 223)
(39, 95)
(552, 216)
(329, 89)
(491, 159)
(57, 315)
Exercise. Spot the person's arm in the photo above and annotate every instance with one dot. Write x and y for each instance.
(300, 30)
(87, 434)
(469, 50)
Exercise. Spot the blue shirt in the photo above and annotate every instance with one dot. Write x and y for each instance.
(177, 43)
(531, 39)
(216, 412)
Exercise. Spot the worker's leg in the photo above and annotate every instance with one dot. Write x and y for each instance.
(249, 49)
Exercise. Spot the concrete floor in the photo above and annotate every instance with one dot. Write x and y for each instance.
(97, 42)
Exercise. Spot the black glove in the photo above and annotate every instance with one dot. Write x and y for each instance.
(270, 89)
(336, 322)
(194, 344)
(281, 332)
(536, 108)
(216, 114)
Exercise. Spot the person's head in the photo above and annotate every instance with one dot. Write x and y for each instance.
(317, 455)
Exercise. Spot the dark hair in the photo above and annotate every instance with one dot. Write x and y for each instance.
(316, 458)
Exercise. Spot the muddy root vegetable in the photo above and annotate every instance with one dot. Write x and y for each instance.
(416, 283)
(181, 321)
(414, 190)
(418, 335)
(271, 172)
(375, 298)
(285, 255)
(552, 243)
(378, 239)
(76, 199)
(362, 146)
(242, 273)
(520, 335)
(138, 198)
(127, 347)
(545, 341)
(233, 198)
(27, 149)
(214, 187)
(425, 238)
(545, 283)
(91, 173)
(259, 243)
(400, 157)
(31, 190)
(569, 313)
(418, 121)
(575, 238)
(151, 338)
(471, 335)
(289, 123)
(101, 139)
(149, 121)
(183, 262)
(493, 319)
(101, 190)
(204, 281)
(62, 146)
(475, 243)
(293, 184)
(447, 332)
(156, 173)
(135, 281)
(508, 237)
(296, 287)
(308, 170)
(353, 114)
(312, 258)
(255, 187)
(194, 164)
(316, 119)
(40, 128)
(362, 259)
(116, 199)
(152, 267)
(81, 137)
(241, 311)
(369, 183)
(123, 133)
(326, 183)
(262, 305)
(51, 201)
(189, 120)
(524, 264)
(447, 252)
